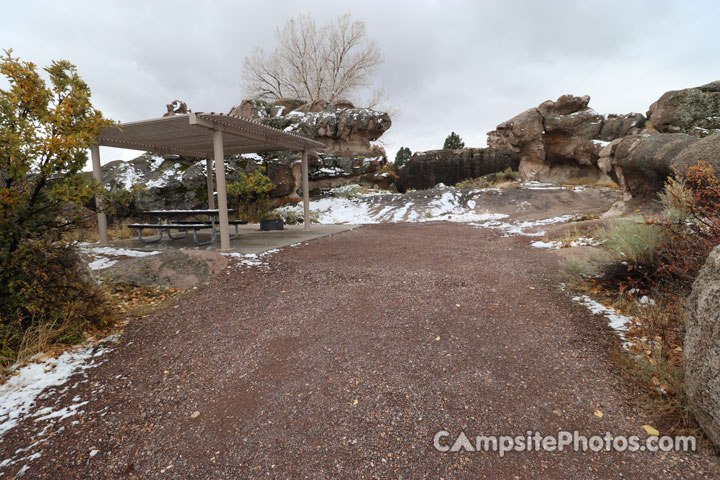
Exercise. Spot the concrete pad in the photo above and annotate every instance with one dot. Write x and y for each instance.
(249, 240)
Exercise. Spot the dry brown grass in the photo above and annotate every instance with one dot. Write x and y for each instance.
(117, 230)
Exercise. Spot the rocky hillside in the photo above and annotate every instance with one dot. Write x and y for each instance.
(427, 169)
(565, 139)
(171, 181)
(562, 139)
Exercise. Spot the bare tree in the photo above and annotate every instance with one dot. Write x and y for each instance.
(312, 63)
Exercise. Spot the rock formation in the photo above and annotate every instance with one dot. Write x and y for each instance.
(427, 169)
(345, 130)
(695, 111)
(561, 140)
(171, 181)
(702, 348)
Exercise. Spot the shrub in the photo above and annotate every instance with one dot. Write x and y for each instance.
(659, 256)
(633, 243)
(45, 132)
(251, 194)
(49, 298)
(487, 181)
(388, 171)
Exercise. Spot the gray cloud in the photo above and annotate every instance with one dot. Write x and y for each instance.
(451, 65)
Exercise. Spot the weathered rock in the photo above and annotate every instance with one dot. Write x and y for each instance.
(523, 134)
(695, 111)
(642, 163)
(702, 348)
(181, 269)
(561, 140)
(343, 104)
(313, 107)
(344, 132)
(427, 169)
(564, 105)
(618, 126)
(250, 109)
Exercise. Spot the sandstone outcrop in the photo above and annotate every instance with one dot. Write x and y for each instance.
(343, 129)
(702, 348)
(640, 164)
(151, 181)
(427, 169)
(562, 140)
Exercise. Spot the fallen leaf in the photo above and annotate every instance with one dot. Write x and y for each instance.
(437, 339)
(166, 371)
(195, 414)
(457, 304)
(355, 402)
(656, 380)
(598, 413)
(651, 430)
(532, 288)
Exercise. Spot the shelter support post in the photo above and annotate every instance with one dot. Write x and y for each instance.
(211, 188)
(306, 190)
(219, 159)
(99, 203)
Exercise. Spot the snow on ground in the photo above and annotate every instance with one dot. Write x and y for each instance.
(618, 322)
(362, 210)
(102, 256)
(526, 228)
(252, 259)
(39, 379)
(556, 244)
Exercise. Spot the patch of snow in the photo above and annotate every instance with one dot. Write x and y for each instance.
(129, 177)
(525, 228)
(618, 322)
(115, 251)
(602, 143)
(541, 244)
(26, 383)
(48, 413)
(94, 452)
(165, 177)
(100, 255)
(645, 301)
(579, 242)
(155, 162)
(252, 156)
(100, 263)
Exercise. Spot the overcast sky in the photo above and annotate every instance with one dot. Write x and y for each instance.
(461, 66)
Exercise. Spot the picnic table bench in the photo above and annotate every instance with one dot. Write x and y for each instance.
(195, 224)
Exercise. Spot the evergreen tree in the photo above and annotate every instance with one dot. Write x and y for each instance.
(402, 156)
(453, 142)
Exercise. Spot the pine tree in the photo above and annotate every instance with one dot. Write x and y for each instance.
(453, 142)
(401, 157)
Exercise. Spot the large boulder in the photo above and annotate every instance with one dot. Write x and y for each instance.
(695, 111)
(180, 269)
(427, 169)
(523, 134)
(345, 132)
(344, 129)
(561, 140)
(702, 348)
(640, 164)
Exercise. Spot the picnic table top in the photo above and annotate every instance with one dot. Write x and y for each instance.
(184, 212)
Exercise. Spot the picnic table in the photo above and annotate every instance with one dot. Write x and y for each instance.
(183, 221)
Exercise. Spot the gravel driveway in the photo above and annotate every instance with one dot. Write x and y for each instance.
(343, 360)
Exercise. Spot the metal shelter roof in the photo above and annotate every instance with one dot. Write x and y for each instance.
(191, 134)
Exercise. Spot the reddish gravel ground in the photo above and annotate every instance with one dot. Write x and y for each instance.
(345, 358)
